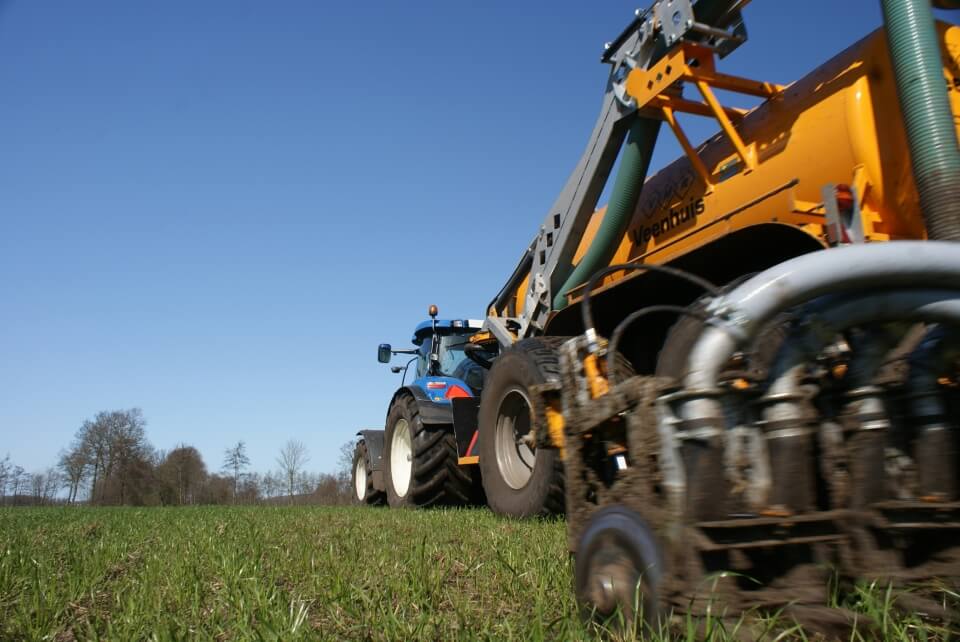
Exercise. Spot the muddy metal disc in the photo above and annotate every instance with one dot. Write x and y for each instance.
(618, 569)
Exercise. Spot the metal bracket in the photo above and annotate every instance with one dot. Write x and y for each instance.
(652, 34)
(844, 224)
(497, 326)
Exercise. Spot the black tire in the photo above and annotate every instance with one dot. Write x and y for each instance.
(371, 496)
(434, 478)
(527, 363)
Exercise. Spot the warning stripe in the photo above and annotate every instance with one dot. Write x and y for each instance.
(473, 442)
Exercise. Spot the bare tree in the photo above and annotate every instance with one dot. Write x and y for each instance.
(51, 482)
(129, 451)
(235, 460)
(345, 460)
(344, 474)
(37, 483)
(116, 450)
(269, 484)
(183, 475)
(6, 470)
(19, 479)
(217, 490)
(93, 441)
(73, 469)
(293, 457)
(331, 491)
(249, 491)
(306, 483)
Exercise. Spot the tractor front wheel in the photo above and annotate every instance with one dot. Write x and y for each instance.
(421, 467)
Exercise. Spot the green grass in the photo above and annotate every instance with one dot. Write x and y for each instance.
(271, 573)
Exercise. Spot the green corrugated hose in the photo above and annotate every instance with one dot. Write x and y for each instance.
(929, 121)
(634, 163)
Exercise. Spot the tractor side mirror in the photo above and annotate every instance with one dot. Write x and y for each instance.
(384, 352)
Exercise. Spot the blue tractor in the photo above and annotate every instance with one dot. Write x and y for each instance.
(427, 453)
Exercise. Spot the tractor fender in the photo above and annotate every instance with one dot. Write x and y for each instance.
(430, 411)
(374, 441)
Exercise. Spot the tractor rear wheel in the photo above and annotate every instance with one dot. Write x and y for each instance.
(420, 460)
(519, 481)
(363, 488)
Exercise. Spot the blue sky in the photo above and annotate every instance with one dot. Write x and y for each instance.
(216, 210)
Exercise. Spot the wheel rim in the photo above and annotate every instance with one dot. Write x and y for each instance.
(360, 478)
(618, 566)
(515, 459)
(401, 457)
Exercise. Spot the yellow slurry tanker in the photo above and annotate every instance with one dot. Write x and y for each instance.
(748, 361)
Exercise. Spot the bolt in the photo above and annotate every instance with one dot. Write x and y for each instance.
(604, 595)
(606, 583)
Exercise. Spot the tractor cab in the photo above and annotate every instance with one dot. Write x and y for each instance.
(442, 351)
(446, 364)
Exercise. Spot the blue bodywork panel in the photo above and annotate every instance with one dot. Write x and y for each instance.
(425, 328)
(436, 387)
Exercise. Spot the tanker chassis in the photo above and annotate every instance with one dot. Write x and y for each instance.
(746, 362)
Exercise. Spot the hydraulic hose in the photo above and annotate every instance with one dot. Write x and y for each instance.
(927, 116)
(634, 163)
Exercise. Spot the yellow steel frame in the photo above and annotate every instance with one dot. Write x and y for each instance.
(654, 89)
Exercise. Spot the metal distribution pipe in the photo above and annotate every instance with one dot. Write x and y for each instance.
(784, 396)
(744, 310)
(927, 116)
(936, 442)
(740, 314)
(832, 316)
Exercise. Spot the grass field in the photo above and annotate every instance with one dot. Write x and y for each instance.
(255, 573)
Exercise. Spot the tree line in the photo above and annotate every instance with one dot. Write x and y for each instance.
(110, 462)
